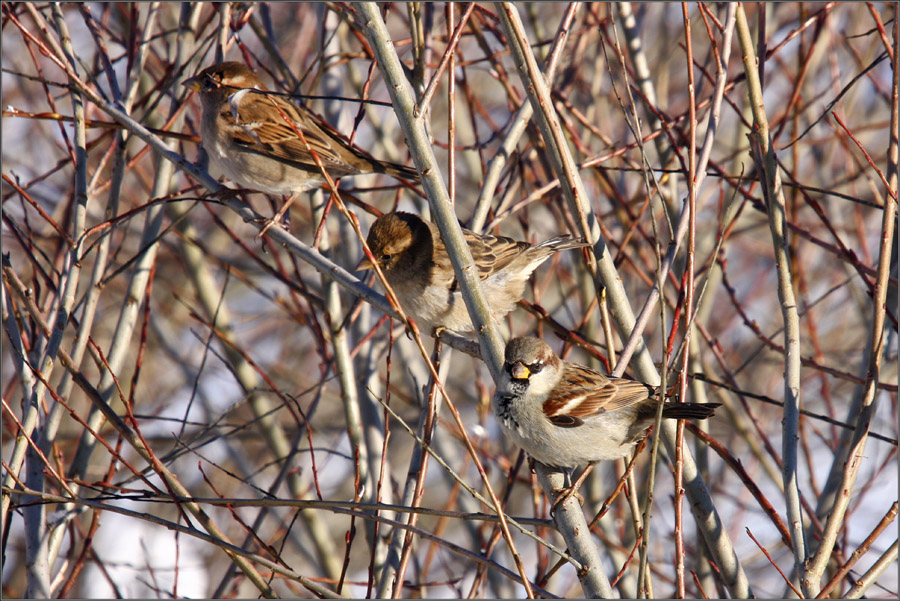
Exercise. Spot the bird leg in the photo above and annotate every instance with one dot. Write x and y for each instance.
(277, 218)
(571, 491)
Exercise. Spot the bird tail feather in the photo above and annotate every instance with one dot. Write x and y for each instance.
(564, 242)
(396, 170)
(689, 410)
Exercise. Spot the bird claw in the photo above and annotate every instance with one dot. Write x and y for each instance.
(281, 214)
(572, 490)
(562, 495)
(268, 223)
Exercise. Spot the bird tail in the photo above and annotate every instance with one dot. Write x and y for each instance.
(564, 242)
(689, 410)
(395, 170)
(386, 167)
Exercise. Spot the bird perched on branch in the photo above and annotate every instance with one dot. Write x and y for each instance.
(566, 415)
(264, 142)
(415, 263)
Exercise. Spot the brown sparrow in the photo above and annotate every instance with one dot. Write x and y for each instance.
(566, 415)
(253, 137)
(415, 263)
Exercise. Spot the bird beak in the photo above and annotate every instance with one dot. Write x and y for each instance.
(364, 265)
(519, 371)
(192, 83)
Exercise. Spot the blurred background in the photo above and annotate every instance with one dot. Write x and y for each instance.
(245, 374)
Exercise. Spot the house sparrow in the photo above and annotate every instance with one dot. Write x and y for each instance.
(566, 415)
(252, 137)
(415, 263)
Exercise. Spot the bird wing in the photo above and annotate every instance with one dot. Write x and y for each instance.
(585, 393)
(490, 253)
(493, 253)
(255, 127)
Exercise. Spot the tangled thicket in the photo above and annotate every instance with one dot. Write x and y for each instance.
(188, 410)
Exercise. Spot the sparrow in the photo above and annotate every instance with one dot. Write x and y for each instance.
(415, 263)
(567, 415)
(253, 136)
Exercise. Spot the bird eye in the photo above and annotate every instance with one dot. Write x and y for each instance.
(384, 258)
(536, 367)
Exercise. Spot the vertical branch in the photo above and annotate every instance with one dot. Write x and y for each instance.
(451, 102)
(643, 318)
(688, 280)
(37, 541)
(398, 554)
(607, 277)
(516, 128)
(445, 218)
(573, 526)
(418, 468)
(568, 516)
(70, 273)
(835, 521)
(644, 81)
(364, 422)
(120, 344)
(101, 253)
(705, 304)
(223, 31)
(349, 398)
(771, 184)
(442, 210)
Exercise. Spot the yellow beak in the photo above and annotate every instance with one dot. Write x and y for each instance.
(364, 265)
(192, 83)
(519, 371)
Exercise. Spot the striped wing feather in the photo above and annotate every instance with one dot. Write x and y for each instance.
(490, 253)
(587, 393)
(276, 138)
(493, 253)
